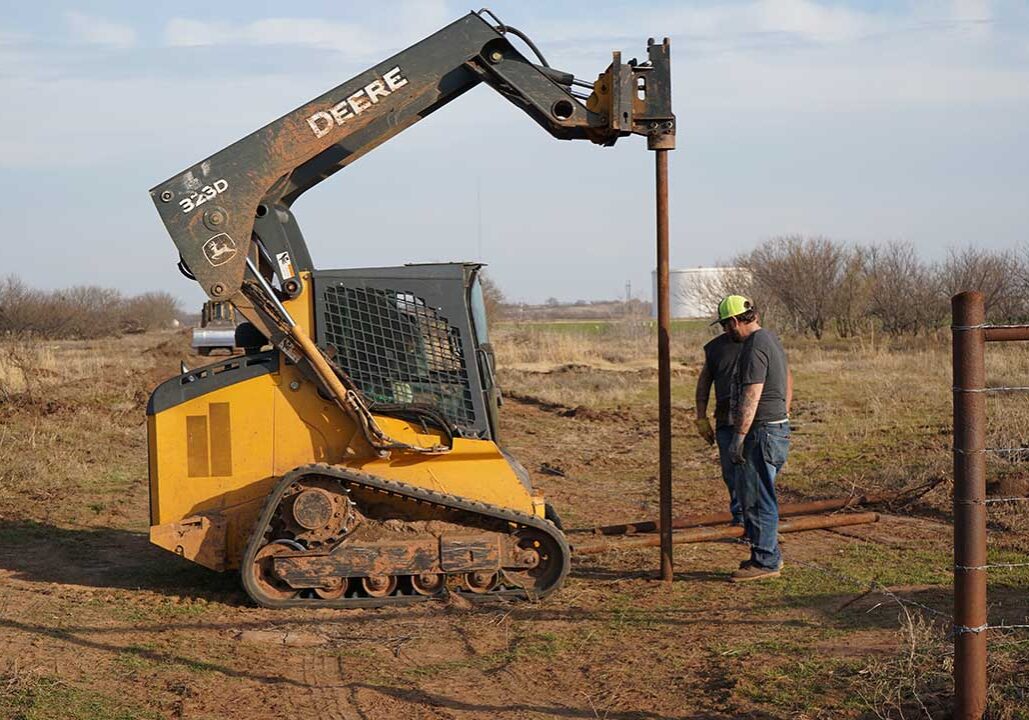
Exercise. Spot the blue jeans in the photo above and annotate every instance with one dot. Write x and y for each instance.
(764, 453)
(724, 436)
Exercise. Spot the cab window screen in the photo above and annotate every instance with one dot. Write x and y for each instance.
(398, 349)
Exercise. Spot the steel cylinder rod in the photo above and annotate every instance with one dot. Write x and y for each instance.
(710, 534)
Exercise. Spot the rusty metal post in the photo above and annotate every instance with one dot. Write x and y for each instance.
(664, 368)
(969, 348)
(1008, 333)
(711, 534)
(720, 518)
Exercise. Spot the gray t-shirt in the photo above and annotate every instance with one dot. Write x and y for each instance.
(762, 360)
(720, 360)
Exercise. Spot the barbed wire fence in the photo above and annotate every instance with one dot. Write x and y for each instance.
(971, 625)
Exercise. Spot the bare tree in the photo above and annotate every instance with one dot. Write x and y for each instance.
(80, 312)
(708, 290)
(802, 276)
(149, 311)
(904, 291)
(998, 275)
(853, 295)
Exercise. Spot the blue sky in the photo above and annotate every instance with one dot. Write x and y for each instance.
(864, 121)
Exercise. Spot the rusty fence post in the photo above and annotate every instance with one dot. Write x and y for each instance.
(664, 368)
(969, 350)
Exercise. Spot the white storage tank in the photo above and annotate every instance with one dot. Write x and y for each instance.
(689, 290)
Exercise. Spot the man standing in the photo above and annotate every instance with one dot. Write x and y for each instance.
(719, 363)
(762, 391)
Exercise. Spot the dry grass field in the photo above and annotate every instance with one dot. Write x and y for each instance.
(97, 624)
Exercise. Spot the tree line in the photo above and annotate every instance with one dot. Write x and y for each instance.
(81, 312)
(816, 285)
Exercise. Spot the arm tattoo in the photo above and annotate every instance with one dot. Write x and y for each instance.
(751, 396)
(703, 391)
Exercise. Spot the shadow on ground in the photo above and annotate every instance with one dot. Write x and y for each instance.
(422, 698)
(122, 559)
(104, 557)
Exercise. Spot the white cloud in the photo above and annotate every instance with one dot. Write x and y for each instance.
(802, 19)
(411, 20)
(12, 38)
(98, 31)
(423, 16)
(971, 10)
(973, 17)
(192, 33)
(343, 37)
(810, 20)
(721, 25)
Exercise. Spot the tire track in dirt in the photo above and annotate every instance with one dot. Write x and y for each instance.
(321, 673)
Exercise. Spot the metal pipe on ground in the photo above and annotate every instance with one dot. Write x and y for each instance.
(798, 524)
(785, 510)
(969, 359)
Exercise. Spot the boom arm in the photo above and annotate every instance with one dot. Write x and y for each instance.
(212, 209)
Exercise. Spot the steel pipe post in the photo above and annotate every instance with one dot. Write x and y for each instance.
(726, 532)
(969, 345)
(664, 368)
(1007, 333)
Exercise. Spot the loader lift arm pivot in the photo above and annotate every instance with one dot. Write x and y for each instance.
(232, 212)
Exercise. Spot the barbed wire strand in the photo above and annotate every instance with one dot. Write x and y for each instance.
(991, 565)
(963, 451)
(990, 501)
(989, 326)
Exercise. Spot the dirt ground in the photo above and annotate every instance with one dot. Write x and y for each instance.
(96, 623)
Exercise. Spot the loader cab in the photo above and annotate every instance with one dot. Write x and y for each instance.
(413, 335)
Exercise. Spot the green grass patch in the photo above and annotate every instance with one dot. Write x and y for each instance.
(134, 611)
(803, 684)
(46, 698)
(852, 570)
(774, 646)
(627, 616)
(136, 658)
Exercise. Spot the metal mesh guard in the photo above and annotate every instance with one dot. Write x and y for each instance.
(397, 349)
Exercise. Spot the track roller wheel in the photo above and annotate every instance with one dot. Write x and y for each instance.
(427, 583)
(543, 558)
(480, 582)
(336, 589)
(270, 585)
(379, 585)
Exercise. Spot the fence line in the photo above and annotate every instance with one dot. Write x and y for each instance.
(970, 333)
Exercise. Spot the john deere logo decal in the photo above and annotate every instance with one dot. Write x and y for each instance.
(220, 249)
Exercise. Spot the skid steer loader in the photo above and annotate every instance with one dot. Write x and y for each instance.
(354, 459)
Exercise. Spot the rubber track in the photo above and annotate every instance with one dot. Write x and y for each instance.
(483, 515)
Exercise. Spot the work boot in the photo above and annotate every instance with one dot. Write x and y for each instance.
(754, 572)
(748, 563)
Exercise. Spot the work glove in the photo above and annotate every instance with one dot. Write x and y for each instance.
(736, 449)
(705, 430)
